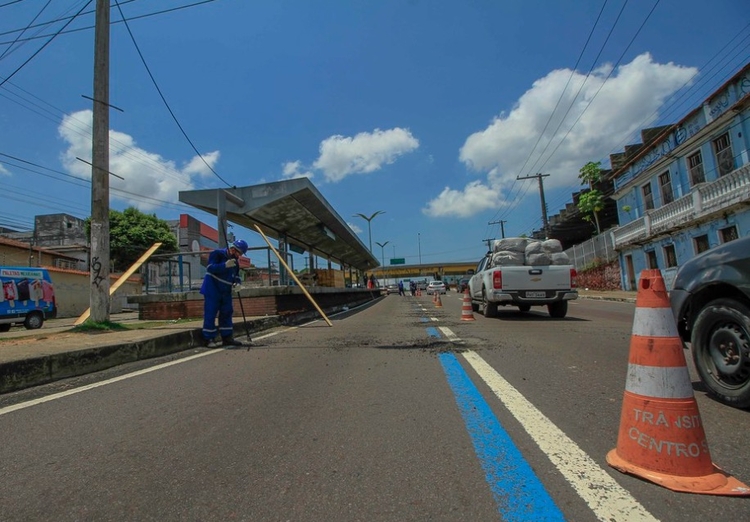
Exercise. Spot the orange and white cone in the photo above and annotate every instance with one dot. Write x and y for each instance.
(466, 312)
(661, 437)
(438, 302)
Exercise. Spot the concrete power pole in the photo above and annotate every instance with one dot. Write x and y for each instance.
(99, 269)
(545, 224)
(502, 226)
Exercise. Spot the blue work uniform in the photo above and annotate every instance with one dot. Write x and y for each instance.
(217, 292)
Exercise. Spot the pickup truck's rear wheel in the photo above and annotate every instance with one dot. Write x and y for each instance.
(720, 343)
(488, 309)
(5, 327)
(558, 310)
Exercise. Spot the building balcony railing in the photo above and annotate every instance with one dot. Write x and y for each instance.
(705, 199)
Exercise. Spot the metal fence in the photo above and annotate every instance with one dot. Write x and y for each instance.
(599, 249)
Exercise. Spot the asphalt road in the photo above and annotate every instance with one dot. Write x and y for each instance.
(400, 411)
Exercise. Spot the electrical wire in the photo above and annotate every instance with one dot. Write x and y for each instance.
(519, 196)
(41, 48)
(6, 51)
(163, 99)
(137, 17)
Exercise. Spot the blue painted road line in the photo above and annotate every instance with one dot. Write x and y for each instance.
(433, 332)
(518, 492)
(424, 319)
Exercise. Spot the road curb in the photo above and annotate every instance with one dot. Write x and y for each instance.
(35, 371)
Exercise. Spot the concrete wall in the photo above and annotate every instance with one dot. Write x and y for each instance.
(256, 302)
(72, 292)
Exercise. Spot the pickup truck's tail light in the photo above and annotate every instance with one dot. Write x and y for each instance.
(497, 280)
(573, 278)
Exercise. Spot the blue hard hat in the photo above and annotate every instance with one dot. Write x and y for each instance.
(240, 245)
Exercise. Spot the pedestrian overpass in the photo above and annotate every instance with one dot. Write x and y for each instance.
(447, 272)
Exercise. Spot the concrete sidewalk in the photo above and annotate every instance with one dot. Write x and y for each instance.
(33, 357)
(56, 351)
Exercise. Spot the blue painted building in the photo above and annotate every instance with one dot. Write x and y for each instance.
(687, 188)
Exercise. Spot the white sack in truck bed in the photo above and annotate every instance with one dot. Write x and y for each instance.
(506, 258)
(552, 246)
(559, 258)
(511, 244)
(541, 259)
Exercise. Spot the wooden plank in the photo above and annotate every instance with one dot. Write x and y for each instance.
(121, 280)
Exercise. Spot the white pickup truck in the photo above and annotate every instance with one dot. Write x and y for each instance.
(524, 286)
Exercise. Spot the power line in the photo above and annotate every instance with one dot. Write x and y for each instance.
(570, 77)
(6, 51)
(138, 17)
(42, 47)
(163, 99)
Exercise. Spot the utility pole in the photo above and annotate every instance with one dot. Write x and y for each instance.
(502, 228)
(489, 247)
(545, 224)
(99, 267)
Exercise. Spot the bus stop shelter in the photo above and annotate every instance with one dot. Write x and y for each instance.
(293, 212)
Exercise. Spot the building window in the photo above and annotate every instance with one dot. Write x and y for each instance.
(723, 152)
(648, 197)
(665, 185)
(651, 259)
(670, 256)
(695, 167)
(728, 234)
(701, 244)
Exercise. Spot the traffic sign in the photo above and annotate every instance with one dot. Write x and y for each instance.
(398, 261)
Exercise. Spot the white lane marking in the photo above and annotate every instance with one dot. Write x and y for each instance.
(606, 498)
(449, 334)
(60, 395)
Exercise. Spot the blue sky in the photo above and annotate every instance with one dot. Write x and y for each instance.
(425, 110)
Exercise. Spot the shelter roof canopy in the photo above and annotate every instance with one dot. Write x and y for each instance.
(293, 209)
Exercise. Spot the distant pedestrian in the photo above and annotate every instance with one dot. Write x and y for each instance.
(401, 288)
(222, 273)
(371, 281)
(413, 288)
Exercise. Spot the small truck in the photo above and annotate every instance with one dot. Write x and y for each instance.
(503, 278)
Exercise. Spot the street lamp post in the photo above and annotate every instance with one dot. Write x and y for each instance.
(369, 228)
(382, 258)
(419, 242)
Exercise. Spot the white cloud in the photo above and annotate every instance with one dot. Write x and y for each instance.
(625, 104)
(366, 152)
(295, 169)
(474, 198)
(354, 228)
(146, 173)
(3, 171)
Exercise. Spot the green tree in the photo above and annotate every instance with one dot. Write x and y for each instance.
(132, 232)
(591, 202)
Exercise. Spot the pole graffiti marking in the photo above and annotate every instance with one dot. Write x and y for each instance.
(96, 268)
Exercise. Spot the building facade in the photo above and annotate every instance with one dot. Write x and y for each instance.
(688, 188)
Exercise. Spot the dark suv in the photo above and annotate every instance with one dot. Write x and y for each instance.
(711, 302)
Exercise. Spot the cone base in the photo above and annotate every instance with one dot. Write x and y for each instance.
(717, 483)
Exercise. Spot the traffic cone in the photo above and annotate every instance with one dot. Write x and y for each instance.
(466, 312)
(661, 437)
(438, 302)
